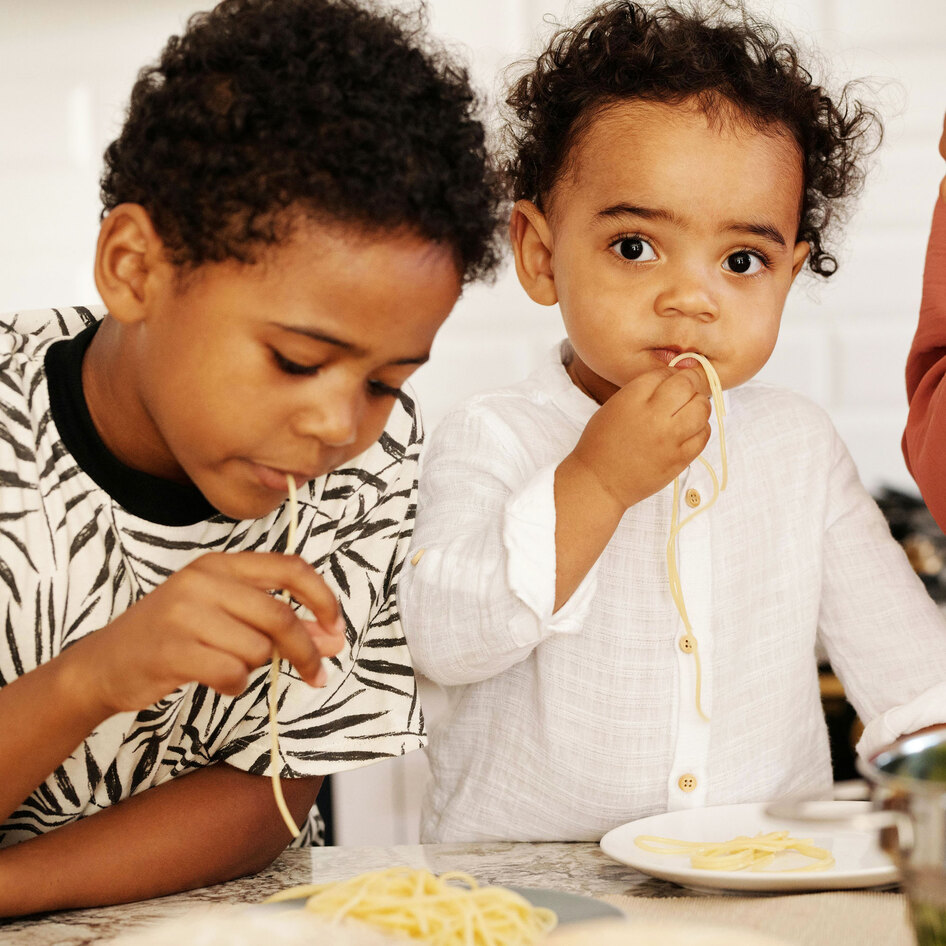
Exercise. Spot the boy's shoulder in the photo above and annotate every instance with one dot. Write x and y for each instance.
(24, 330)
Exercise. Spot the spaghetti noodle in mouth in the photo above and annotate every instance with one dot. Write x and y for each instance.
(274, 683)
(719, 484)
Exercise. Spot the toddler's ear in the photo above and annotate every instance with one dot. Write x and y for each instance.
(800, 254)
(128, 253)
(531, 241)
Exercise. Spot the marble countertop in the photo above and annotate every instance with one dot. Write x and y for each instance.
(577, 868)
(580, 868)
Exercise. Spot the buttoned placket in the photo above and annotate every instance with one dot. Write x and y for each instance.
(688, 779)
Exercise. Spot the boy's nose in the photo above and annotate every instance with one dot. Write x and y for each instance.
(688, 293)
(333, 420)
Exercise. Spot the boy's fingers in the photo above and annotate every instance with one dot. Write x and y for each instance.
(328, 642)
(269, 571)
(222, 671)
(263, 622)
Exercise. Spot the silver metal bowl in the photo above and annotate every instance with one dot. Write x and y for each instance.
(908, 786)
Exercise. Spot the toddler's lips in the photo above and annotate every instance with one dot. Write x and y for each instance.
(666, 355)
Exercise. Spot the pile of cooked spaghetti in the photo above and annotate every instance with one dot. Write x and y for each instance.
(742, 853)
(447, 910)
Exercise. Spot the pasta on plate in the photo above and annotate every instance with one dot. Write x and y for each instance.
(451, 909)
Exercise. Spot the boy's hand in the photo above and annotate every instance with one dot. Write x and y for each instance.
(214, 622)
(647, 433)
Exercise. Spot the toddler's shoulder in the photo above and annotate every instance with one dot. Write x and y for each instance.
(775, 409)
(535, 410)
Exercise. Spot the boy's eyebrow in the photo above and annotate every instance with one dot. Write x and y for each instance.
(348, 346)
(765, 230)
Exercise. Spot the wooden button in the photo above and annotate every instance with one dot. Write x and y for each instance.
(687, 644)
(693, 497)
(687, 783)
(417, 556)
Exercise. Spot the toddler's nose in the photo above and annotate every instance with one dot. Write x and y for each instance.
(688, 293)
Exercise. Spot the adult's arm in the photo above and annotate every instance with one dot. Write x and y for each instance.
(203, 828)
(924, 440)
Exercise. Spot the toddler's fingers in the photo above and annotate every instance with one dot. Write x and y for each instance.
(693, 446)
(686, 386)
(695, 375)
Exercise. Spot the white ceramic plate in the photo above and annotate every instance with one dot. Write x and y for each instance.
(859, 861)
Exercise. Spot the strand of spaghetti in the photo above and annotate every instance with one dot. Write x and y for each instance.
(449, 910)
(673, 573)
(740, 853)
(274, 683)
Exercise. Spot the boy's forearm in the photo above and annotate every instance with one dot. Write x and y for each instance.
(203, 828)
(585, 519)
(44, 715)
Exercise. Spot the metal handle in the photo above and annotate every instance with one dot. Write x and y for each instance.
(820, 812)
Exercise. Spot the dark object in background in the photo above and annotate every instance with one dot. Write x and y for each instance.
(912, 525)
(324, 804)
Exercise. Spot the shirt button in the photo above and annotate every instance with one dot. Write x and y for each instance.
(687, 644)
(693, 497)
(687, 783)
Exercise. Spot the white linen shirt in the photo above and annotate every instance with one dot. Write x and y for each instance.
(562, 726)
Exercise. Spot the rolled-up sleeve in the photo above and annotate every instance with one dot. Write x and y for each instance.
(884, 634)
(479, 594)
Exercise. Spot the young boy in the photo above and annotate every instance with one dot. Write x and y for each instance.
(924, 440)
(673, 173)
(299, 192)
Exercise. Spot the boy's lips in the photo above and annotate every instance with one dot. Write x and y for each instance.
(275, 479)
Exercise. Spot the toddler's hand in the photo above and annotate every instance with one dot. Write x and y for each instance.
(214, 622)
(647, 433)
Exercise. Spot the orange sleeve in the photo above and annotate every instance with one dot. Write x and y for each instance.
(924, 440)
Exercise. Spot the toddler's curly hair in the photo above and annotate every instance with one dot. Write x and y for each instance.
(333, 108)
(716, 55)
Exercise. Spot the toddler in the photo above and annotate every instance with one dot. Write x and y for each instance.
(673, 173)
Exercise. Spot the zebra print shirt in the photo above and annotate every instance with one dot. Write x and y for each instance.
(72, 558)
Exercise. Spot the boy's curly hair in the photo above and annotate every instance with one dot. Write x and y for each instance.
(328, 107)
(624, 50)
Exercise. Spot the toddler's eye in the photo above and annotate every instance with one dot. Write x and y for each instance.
(634, 248)
(745, 263)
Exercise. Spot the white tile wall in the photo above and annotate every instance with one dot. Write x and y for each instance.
(65, 71)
